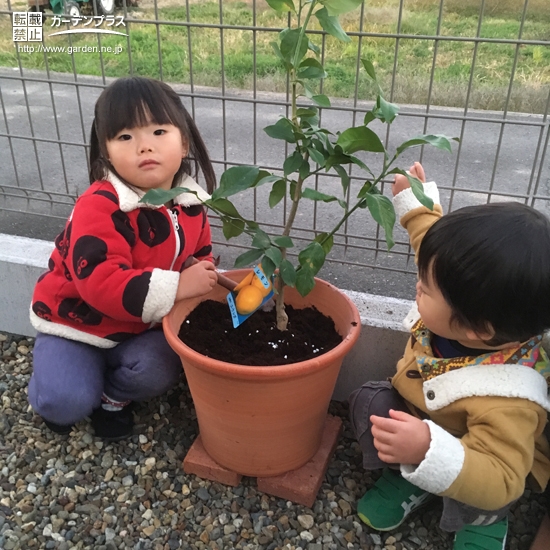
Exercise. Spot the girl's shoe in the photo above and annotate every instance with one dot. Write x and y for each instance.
(390, 501)
(482, 537)
(58, 428)
(113, 425)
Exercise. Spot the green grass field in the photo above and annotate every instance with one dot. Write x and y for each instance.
(451, 71)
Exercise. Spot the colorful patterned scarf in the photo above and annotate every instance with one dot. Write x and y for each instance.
(529, 354)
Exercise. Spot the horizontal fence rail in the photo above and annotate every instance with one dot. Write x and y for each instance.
(478, 70)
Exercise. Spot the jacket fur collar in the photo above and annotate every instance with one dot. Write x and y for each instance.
(520, 372)
(129, 196)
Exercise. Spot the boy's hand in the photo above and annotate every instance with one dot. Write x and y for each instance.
(402, 439)
(197, 280)
(401, 182)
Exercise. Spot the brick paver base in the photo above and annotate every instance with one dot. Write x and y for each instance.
(300, 486)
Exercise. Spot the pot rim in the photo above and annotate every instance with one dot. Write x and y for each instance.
(269, 371)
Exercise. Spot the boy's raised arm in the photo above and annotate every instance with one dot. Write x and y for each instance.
(415, 217)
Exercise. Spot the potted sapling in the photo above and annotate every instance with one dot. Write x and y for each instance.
(258, 418)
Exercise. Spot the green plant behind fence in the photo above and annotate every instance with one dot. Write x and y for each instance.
(313, 150)
(452, 68)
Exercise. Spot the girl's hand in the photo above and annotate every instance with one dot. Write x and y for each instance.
(197, 280)
(401, 182)
(401, 439)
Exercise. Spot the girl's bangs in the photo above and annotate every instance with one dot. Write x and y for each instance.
(136, 106)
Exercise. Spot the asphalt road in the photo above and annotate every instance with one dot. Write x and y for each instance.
(496, 160)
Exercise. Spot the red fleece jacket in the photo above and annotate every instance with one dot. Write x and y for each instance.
(115, 267)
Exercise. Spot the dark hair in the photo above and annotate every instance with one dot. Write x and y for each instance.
(127, 103)
(492, 265)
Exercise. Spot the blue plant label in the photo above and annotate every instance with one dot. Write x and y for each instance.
(233, 310)
(239, 318)
(261, 275)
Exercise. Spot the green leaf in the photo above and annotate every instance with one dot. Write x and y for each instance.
(282, 129)
(369, 67)
(317, 157)
(386, 111)
(309, 117)
(292, 163)
(236, 179)
(360, 139)
(418, 192)
(330, 24)
(162, 196)
(249, 257)
(308, 123)
(307, 112)
(278, 191)
(313, 47)
(439, 141)
(417, 188)
(252, 225)
(344, 177)
(325, 241)
(261, 240)
(314, 195)
(361, 164)
(289, 42)
(224, 206)
(304, 169)
(266, 177)
(232, 227)
(279, 54)
(307, 90)
(325, 139)
(318, 143)
(292, 189)
(311, 68)
(321, 100)
(304, 281)
(381, 209)
(336, 159)
(283, 241)
(275, 255)
(367, 186)
(337, 7)
(281, 5)
(312, 257)
(268, 267)
(287, 272)
(369, 117)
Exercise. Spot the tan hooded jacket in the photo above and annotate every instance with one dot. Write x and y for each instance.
(486, 414)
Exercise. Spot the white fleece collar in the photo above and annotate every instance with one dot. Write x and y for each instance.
(486, 381)
(129, 196)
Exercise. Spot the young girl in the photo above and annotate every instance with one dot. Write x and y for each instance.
(118, 266)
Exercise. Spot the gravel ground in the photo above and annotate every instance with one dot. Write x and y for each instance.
(79, 492)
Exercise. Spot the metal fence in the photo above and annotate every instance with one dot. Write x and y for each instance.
(47, 98)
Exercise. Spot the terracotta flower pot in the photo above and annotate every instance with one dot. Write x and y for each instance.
(264, 421)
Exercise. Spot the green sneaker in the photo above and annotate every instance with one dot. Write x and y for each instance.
(390, 501)
(482, 537)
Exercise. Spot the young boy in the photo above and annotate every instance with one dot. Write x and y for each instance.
(465, 413)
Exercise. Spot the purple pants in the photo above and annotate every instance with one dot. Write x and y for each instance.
(70, 377)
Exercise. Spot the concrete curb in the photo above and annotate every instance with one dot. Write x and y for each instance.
(380, 345)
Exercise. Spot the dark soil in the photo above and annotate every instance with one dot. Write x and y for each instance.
(209, 330)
